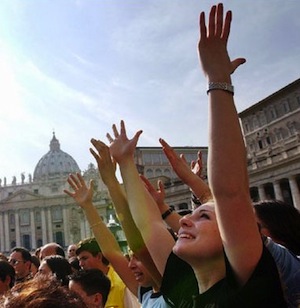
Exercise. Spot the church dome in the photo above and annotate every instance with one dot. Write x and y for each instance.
(55, 163)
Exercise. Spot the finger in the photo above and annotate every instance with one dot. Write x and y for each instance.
(81, 180)
(219, 20)
(193, 163)
(115, 130)
(202, 25)
(71, 183)
(161, 186)
(236, 63)
(227, 24)
(212, 20)
(110, 139)
(122, 128)
(75, 180)
(137, 135)
(68, 193)
(182, 157)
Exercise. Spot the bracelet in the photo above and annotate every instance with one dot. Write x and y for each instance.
(167, 213)
(220, 86)
(96, 224)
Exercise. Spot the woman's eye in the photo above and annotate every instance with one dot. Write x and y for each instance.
(204, 216)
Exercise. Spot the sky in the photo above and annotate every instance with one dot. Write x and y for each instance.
(75, 67)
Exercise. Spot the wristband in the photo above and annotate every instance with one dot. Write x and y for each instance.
(220, 86)
(167, 213)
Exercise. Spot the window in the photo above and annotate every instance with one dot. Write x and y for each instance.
(57, 214)
(24, 218)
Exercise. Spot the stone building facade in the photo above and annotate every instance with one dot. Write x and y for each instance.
(272, 136)
(36, 211)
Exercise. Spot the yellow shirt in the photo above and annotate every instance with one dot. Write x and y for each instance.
(118, 294)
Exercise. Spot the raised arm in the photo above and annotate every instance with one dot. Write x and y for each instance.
(184, 172)
(172, 218)
(142, 206)
(228, 182)
(134, 238)
(109, 246)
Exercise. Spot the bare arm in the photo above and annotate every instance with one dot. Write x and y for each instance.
(158, 195)
(142, 206)
(180, 166)
(134, 238)
(228, 182)
(106, 240)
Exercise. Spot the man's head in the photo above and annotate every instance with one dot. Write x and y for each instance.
(20, 259)
(90, 256)
(71, 252)
(7, 276)
(92, 286)
(51, 249)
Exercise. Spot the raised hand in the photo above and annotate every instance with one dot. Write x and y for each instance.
(82, 193)
(122, 148)
(178, 163)
(106, 165)
(212, 46)
(197, 165)
(157, 194)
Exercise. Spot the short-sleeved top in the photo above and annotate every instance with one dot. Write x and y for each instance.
(179, 283)
(119, 296)
(148, 299)
(288, 266)
(263, 289)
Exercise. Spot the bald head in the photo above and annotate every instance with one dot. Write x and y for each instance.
(51, 249)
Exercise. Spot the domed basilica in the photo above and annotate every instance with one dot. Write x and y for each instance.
(35, 210)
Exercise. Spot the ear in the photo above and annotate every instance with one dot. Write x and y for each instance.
(7, 280)
(98, 300)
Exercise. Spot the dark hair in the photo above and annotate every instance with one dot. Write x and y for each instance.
(7, 270)
(24, 252)
(35, 260)
(283, 222)
(92, 246)
(60, 267)
(60, 251)
(41, 292)
(92, 281)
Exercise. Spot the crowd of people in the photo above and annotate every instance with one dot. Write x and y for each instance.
(226, 252)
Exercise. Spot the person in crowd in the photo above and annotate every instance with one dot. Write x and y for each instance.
(90, 256)
(7, 277)
(281, 222)
(51, 249)
(71, 251)
(92, 286)
(231, 271)
(35, 263)
(20, 259)
(41, 292)
(3, 257)
(136, 283)
(56, 266)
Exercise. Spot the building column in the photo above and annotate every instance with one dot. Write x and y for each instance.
(32, 229)
(44, 226)
(6, 229)
(50, 230)
(261, 192)
(66, 224)
(2, 248)
(82, 226)
(17, 229)
(295, 191)
(277, 191)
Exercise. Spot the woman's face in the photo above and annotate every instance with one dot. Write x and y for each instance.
(44, 269)
(198, 237)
